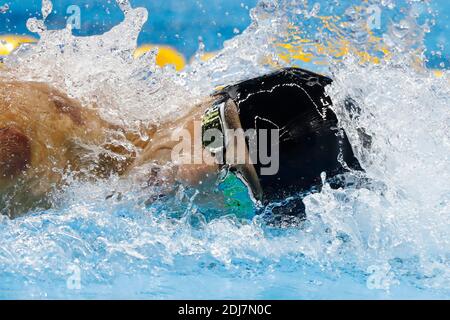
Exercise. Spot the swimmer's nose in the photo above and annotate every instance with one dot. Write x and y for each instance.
(15, 152)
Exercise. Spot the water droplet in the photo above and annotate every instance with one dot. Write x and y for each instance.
(35, 25)
(4, 8)
(47, 7)
(124, 5)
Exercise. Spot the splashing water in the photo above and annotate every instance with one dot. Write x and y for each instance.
(387, 238)
(4, 8)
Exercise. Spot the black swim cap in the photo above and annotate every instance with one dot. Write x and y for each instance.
(294, 101)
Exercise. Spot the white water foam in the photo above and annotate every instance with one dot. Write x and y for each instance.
(399, 223)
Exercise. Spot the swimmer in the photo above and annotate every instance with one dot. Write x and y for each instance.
(276, 133)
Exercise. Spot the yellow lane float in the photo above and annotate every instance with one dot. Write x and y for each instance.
(206, 56)
(166, 56)
(8, 43)
(438, 73)
(295, 46)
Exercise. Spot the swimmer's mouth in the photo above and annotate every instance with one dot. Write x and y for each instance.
(304, 141)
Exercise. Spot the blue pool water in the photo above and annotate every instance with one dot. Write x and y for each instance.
(181, 23)
(388, 239)
(176, 23)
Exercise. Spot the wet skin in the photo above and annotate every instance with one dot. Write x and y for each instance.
(44, 135)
